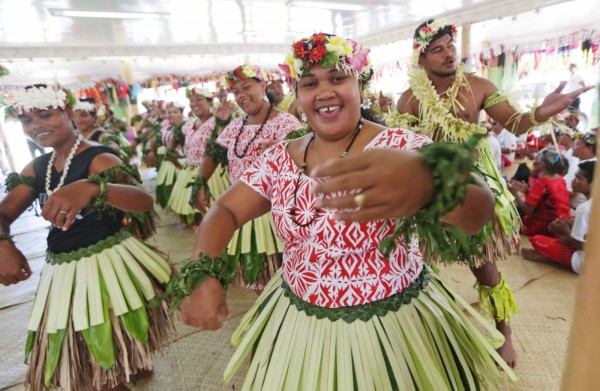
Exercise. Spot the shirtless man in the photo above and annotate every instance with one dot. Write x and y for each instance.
(438, 87)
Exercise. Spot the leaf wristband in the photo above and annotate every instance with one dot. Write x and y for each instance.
(197, 183)
(8, 237)
(451, 165)
(532, 113)
(100, 200)
(194, 273)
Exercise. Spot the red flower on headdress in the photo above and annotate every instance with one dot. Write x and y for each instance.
(319, 38)
(317, 53)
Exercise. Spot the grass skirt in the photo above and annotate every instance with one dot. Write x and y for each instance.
(426, 344)
(258, 251)
(91, 324)
(180, 195)
(165, 180)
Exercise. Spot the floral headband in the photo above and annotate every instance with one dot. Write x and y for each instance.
(199, 91)
(177, 105)
(243, 72)
(425, 34)
(327, 51)
(37, 97)
(85, 106)
(589, 138)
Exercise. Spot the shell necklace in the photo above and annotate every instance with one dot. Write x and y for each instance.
(65, 169)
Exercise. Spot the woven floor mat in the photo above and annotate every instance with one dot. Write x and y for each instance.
(195, 362)
(239, 301)
(24, 291)
(13, 323)
(517, 271)
(540, 332)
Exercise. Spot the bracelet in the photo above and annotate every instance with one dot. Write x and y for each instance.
(198, 182)
(451, 165)
(8, 237)
(532, 116)
(194, 273)
(100, 200)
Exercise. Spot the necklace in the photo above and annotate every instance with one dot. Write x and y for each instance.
(237, 139)
(65, 169)
(344, 153)
(436, 112)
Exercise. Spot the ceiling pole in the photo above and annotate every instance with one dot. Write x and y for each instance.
(6, 148)
(583, 352)
(465, 41)
(127, 75)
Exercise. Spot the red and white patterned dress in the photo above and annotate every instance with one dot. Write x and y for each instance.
(195, 141)
(274, 130)
(331, 263)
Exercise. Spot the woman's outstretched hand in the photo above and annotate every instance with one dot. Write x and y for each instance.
(385, 183)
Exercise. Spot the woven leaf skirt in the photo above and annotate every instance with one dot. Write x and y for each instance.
(91, 324)
(428, 343)
(257, 250)
(180, 196)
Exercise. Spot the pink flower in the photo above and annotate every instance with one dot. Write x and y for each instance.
(352, 43)
(359, 60)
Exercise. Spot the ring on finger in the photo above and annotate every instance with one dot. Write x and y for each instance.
(359, 200)
(63, 211)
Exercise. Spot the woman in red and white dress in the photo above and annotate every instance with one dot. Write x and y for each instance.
(342, 314)
(255, 245)
(197, 133)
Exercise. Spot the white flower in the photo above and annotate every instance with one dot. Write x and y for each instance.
(339, 45)
(85, 106)
(40, 98)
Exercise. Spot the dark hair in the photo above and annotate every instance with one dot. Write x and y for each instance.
(590, 139)
(38, 85)
(441, 32)
(555, 163)
(370, 115)
(587, 169)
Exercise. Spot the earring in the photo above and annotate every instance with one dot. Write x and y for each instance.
(365, 104)
(303, 117)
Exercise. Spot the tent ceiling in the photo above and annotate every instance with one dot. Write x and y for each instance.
(201, 36)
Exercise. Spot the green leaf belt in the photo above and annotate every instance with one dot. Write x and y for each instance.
(96, 248)
(363, 312)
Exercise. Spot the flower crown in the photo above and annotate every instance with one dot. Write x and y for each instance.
(199, 91)
(85, 106)
(589, 138)
(327, 51)
(428, 31)
(177, 105)
(243, 72)
(37, 97)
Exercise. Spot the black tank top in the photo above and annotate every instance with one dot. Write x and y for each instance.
(96, 135)
(90, 226)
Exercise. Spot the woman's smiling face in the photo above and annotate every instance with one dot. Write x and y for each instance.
(330, 99)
